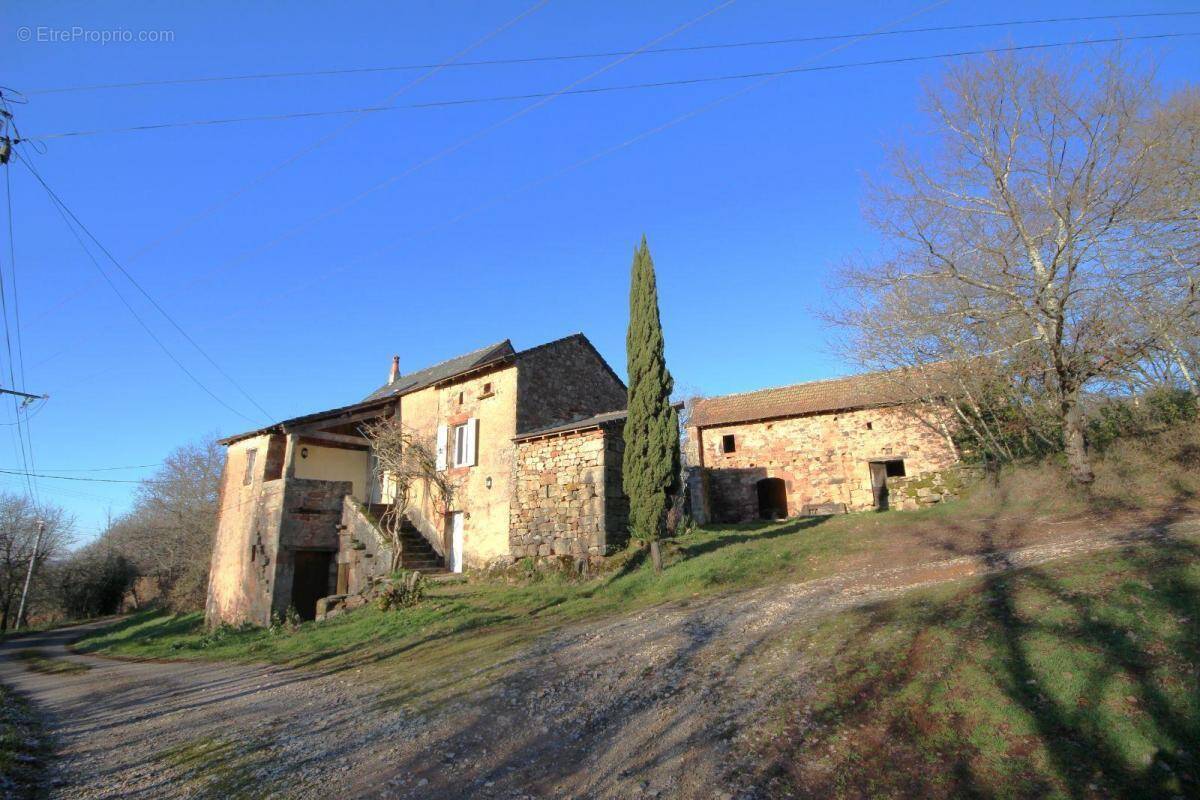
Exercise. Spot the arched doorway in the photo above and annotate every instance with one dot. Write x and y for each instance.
(772, 499)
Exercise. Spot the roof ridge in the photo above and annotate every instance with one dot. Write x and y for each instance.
(559, 340)
(796, 385)
(445, 361)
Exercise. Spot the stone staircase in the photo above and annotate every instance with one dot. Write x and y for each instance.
(416, 553)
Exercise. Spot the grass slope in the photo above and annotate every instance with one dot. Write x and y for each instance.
(23, 749)
(1077, 679)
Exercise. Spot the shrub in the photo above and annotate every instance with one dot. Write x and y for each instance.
(401, 590)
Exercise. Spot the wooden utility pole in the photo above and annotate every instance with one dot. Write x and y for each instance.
(37, 543)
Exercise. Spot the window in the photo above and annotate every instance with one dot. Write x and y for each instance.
(895, 469)
(870, 426)
(460, 398)
(487, 390)
(251, 457)
(728, 444)
(460, 445)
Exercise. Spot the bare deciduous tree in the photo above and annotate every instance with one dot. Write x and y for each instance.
(404, 462)
(1046, 239)
(168, 534)
(18, 534)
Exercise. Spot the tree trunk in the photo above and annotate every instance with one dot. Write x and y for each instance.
(656, 557)
(1074, 443)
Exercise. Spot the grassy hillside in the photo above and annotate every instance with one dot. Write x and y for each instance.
(472, 624)
(1072, 680)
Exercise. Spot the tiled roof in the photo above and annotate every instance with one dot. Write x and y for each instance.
(443, 371)
(815, 397)
(594, 421)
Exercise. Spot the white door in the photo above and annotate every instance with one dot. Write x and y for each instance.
(456, 541)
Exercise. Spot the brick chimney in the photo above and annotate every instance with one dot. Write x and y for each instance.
(395, 373)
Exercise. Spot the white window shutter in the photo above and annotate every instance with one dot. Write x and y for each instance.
(442, 431)
(472, 441)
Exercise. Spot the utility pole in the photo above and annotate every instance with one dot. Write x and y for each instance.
(41, 528)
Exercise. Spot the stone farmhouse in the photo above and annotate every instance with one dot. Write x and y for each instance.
(830, 446)
(531, 441)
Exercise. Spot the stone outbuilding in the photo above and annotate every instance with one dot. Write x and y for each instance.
(831, 446)
(530, 440)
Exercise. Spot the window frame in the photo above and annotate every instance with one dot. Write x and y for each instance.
(459, 441)
(251, 460)
(728, 443)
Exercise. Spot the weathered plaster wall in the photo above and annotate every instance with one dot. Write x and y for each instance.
(822, 458)
(242, 570)
(260, 525)
(490, 397)
(333, 464)
(568, 499)
(564, 381)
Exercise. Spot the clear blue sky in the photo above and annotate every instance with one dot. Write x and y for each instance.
(748, 207)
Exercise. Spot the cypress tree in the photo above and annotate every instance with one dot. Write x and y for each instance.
(651, 466)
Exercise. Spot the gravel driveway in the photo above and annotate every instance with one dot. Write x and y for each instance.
(650, 704)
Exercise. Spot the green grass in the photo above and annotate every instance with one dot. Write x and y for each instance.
(464, 631)
(38, 661)
(22, 748)
(1072, 680)
(212, 767)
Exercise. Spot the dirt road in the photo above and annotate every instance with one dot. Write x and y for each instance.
(646, 705)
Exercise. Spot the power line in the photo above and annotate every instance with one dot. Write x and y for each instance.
(21, 432)
(460, 144)
(64, 208)
(589, 90)
(72, 478)
(604, 152)
(101, 469)
(260, 178)
(605, 54)
(766, 78)
(133, 312)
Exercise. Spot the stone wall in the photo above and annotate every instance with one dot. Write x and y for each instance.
(563, 381)
(568, 499)
(822, 459)
(312, 512)
(362, 552)
(920, 491)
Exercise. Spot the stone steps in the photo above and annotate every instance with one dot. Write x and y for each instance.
(416, 553)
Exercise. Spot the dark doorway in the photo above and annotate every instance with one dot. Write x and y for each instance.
(880, 472)
(772, 499)
(310, 580)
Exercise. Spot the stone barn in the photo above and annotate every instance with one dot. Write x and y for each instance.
(529, 439)
(831, 446)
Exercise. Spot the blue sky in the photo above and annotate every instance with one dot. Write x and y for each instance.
(748, 207)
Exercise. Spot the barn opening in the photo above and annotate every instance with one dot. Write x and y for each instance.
(772, 498)
(880, 472)
(310, 580)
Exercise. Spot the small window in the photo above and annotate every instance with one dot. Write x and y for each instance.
(460, 445)
(895, 469)
(870, 426)
(728, 445)
(487, 389)
(251, 457)
(460, 398)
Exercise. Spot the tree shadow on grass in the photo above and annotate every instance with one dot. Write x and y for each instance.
(1073, 680)
(729, 535)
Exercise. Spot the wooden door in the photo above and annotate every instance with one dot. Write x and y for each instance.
(456, 542)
